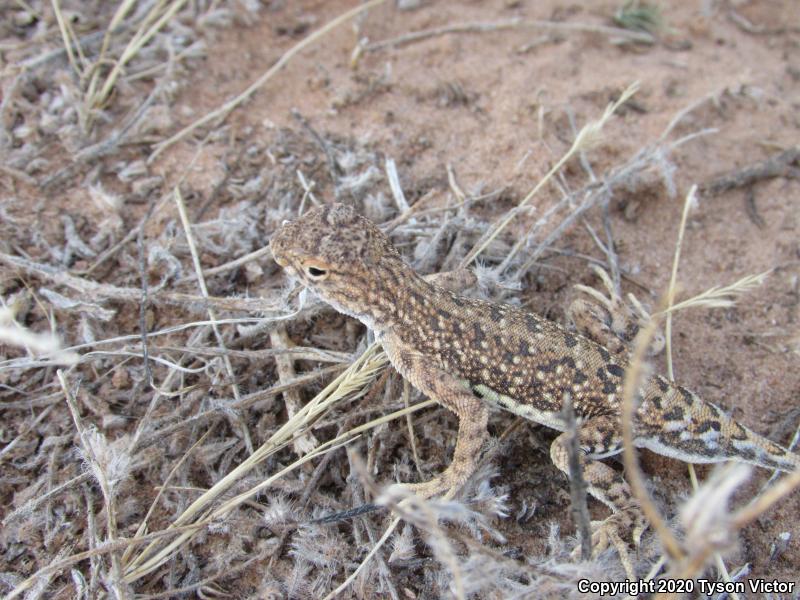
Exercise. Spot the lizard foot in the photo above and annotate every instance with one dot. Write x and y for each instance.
(429, 489)
(446, 484)
(617, 530)
(608, 319)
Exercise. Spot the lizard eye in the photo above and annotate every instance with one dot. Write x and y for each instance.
(316, 273)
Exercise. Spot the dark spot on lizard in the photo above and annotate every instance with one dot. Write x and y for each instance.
(706, 425)
(697, 447)
(687, 396)
(579, 377)
(739, 432)
(609, 387)
(616, 370)
(532, 323)
(524, 348)
(570, 340)
(777, 450)
(549, 367)
(417, 297)
(676, 414)
(608, 438)
(662, 383)
(478, 334)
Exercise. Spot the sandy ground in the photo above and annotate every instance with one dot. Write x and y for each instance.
(497, 108)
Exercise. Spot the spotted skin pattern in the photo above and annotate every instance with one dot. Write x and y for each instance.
(468, 353)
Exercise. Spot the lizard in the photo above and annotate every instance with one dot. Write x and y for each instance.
(469, 354)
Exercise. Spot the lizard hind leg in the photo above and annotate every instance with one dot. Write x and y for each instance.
(600, 437)
(608, 319)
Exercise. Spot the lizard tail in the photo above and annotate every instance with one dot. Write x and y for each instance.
(696, 431)
(743, 445)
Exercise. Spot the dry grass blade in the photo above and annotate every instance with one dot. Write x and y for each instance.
(694, 563)
(219, 115)
(118, 545)
(349, 382)
(107, 467)
(631, 384)
(352, 577)
(142, 529)
(721, 296)
(158, 16)
(689, 202)
(67, 37)
(46, 345)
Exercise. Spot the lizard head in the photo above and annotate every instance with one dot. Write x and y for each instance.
(341, 256)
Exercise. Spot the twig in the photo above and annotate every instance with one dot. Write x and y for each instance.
(228, 266)
(416, 36)
(577, 485)
(333, 166)
(588, 134)
(107, 291)
(201, 282)
(783, 164)
(200, 512)
(143, 35)
(748, 27)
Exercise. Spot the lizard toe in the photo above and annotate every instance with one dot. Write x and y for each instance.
(620, 530)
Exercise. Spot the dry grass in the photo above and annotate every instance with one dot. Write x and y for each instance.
(166, 437)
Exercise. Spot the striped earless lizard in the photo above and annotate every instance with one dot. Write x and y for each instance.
(468, 353)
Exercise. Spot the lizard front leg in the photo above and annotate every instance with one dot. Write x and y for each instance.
(454, 394)
(601, 437)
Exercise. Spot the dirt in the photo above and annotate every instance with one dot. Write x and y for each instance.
(497, 107)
